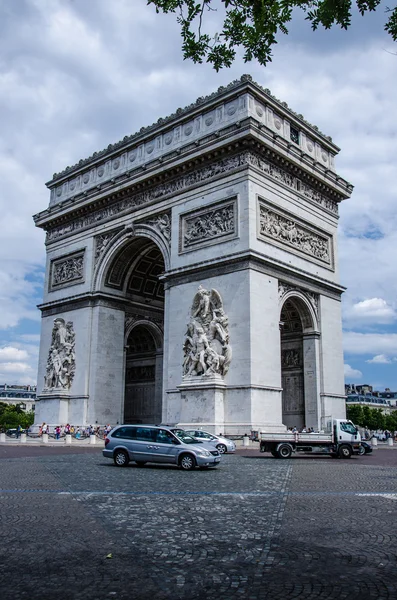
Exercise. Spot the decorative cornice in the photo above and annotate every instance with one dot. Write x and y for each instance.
(244, 82)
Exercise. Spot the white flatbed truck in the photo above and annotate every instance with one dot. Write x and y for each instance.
(341, 441)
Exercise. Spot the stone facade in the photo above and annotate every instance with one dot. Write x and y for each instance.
(213, 230)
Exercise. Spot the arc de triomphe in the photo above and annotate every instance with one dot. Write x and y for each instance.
(192, 273)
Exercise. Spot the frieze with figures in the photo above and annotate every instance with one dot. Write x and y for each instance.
(212, 225)
(285, 229)
(67, 270)
(194, 177)
(291, 358)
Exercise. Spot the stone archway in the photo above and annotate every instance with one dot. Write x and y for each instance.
(131, 272)
(299, 362)
(143, 376)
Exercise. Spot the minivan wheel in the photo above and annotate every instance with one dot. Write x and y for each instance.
(187, 462)
(361, 450)
(121, 458)
(221, 448)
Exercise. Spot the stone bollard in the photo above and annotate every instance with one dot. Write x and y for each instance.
(68, 438)
(45, 438)
(390, 441)
(23, 438)
(2, 437)
(246, 440)
(92, 439)
(374, 441)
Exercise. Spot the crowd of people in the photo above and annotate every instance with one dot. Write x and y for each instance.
(77, 432)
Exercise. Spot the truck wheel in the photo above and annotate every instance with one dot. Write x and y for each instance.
(345, 451)
(284, 451)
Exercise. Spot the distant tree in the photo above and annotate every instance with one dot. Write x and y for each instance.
(391, 421)
(254, 25)
(12, 416)
(354, 412)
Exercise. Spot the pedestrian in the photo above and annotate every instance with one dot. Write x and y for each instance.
(19, 430)
(57, 432)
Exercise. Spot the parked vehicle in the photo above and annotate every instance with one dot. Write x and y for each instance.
(154, 444)
(342, 440)
(221, 443)
(365, 448)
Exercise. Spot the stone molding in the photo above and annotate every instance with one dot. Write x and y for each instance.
(281, 228)
(213, 224)
(177, 185)
(67, 270)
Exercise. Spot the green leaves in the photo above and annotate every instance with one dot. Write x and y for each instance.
(254, 25)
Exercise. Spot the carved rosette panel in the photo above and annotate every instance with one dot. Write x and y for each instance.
(284, 288)
(206, 349)
(214, 224)
(61, 364)
(282, 228)
(67, 270)
(194, 177)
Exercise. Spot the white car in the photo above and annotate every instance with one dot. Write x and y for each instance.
(221, 443)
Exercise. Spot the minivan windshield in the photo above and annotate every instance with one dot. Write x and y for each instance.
(184, 437)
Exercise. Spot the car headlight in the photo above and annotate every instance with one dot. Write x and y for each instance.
(203, 453)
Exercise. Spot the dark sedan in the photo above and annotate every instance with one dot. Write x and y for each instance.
(365, 448)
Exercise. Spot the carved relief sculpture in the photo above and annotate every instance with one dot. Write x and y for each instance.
(290, 232)
(291, 358)
(206, 348)
(67, 270)
(203, 226)
(61, 357)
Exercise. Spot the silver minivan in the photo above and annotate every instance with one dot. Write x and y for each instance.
(156, 444)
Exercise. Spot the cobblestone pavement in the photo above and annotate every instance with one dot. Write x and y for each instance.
(74, 526)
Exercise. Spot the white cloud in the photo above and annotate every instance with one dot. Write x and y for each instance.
(380, 359)
(9, 353)
(373, 311)
(369, 343)
(351, 373)
(14, 367)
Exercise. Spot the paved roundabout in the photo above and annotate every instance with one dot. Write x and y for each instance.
(75, 526)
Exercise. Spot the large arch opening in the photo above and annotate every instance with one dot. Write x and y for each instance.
(300, 361)
(292, 377)
(133, 275)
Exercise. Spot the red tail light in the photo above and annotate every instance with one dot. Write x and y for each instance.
(106, 441)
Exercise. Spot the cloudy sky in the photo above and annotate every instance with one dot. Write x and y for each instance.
(76, 75)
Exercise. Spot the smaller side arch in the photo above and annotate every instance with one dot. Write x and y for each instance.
(153, 328)
(307, 311)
